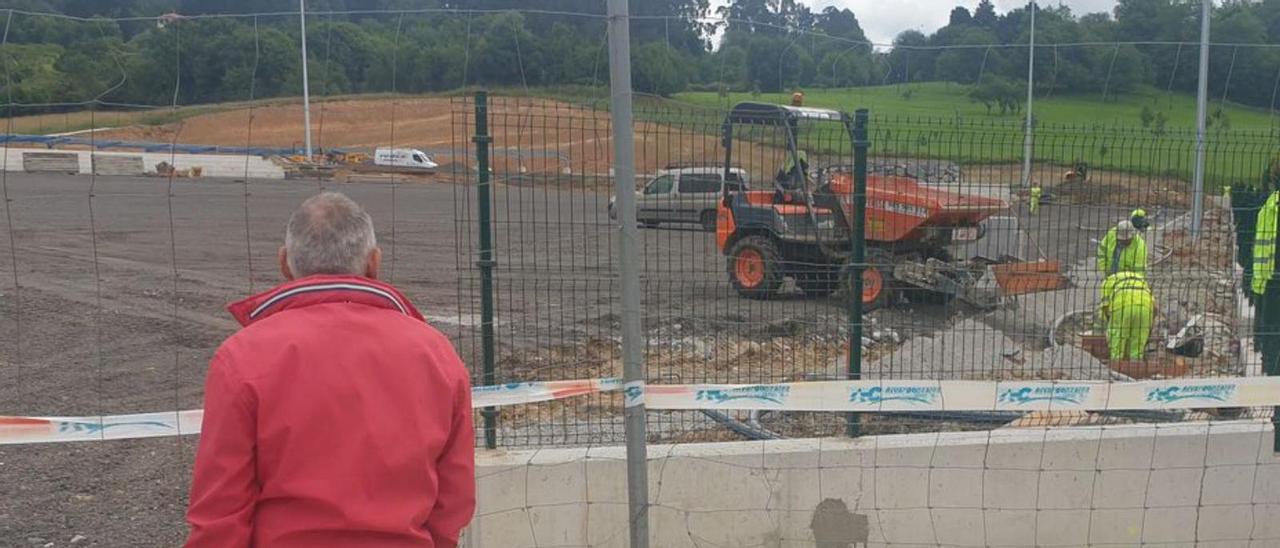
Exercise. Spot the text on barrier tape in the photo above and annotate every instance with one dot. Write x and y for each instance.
(865, 396)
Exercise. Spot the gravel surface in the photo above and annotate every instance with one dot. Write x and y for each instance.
(120, 305)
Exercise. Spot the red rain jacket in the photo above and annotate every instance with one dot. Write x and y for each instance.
(336, 417)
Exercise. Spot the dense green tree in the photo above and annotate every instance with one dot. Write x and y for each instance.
(657, 69)
(765, 45)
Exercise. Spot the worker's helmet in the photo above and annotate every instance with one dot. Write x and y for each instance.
(1125, 231)
(1139, 219)
(797, 99)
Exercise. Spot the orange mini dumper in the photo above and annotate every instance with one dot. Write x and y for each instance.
(801, 228)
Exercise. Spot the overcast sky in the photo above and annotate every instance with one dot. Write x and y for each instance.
(881, 20)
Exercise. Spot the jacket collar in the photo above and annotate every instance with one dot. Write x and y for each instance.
(321, 289)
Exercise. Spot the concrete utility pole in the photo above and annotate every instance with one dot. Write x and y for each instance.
(633, 374)
(1202, 107)
(306, 91)
(1031, 78)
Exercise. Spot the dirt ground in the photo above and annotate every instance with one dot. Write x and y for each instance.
(121, 284)
(530, 135)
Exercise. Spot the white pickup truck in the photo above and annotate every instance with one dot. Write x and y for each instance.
(403, 157)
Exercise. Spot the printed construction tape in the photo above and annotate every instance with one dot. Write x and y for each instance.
(890, 395)
(865, 396)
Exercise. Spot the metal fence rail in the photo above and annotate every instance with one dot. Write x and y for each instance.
(553, 274)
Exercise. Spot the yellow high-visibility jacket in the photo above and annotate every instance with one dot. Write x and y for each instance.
(1264, 245)
(1129, 308)
(1132, 259)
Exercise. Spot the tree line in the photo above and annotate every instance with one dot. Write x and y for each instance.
(130, 52)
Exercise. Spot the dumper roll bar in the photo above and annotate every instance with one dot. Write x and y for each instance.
(789, 117)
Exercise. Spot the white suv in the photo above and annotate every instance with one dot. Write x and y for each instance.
(685, 195)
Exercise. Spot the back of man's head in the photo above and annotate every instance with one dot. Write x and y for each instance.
(330, 234)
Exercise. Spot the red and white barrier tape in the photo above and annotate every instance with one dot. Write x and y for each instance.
(865, 396)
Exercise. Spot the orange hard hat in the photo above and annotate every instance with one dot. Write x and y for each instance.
(797, 99)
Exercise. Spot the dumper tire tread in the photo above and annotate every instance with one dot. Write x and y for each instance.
(882, 263)
(755, 267)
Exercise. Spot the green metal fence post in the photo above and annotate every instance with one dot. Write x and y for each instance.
(858, 258)
(1270, 367)
(486, 263)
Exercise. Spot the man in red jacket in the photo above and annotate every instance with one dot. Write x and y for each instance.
(337, 416)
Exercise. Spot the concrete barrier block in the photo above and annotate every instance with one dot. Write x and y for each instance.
(1121, 489)
(1266, 451)
(1234, 448)
(501, 529)
(1174, 487)
(1231, 484)
(668, 527)
(51, 162)
(1169, 524)
(1062, 527)
(1221, 544)
(1022, 456)
(849, 483)
(118, 164)
(687, 485)
(900, 456)
(959, 456)
(607, 526)
(1266, 484)
(906, 526)
(1122, 449)
(1266, 524)
(558, 482)
(795, 488)
(558, 525)
(1225, 523)
(1065, 489)
(742, 527)
(1010, 527)
(1009, 489)
(501, 489)
(956, 488)
(1064, 452)
(607, 481)
(1119, 527)
(1180, 446)
(901, 488)
(960, 526)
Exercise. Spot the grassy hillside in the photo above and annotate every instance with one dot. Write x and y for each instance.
(947, 100)
(937, 120)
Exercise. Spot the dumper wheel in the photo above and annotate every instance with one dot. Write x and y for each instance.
(877, 288)
(755, 267)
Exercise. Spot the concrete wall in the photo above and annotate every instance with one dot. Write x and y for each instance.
(215, 165)
(1184, 484)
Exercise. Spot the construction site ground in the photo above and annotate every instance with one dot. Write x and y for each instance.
(119, 307)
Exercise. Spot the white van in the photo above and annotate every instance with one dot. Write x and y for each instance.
(403, 157)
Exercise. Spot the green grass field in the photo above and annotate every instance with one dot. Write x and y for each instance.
(937, 120)
(947, 100)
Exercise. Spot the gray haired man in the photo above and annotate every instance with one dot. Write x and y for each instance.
(336, 416)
